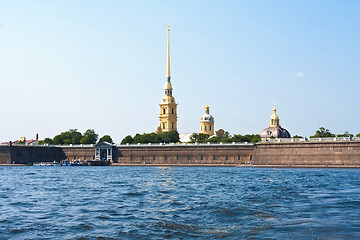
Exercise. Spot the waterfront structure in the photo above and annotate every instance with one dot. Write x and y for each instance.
(281, 152)
(168, 105)
(207, 122)
(275, 130)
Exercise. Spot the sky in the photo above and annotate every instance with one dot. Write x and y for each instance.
(90, 64)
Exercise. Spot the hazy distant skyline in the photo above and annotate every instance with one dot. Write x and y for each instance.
(102, 65)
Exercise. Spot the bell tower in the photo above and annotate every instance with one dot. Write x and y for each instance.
(207, 122)
(168, 106)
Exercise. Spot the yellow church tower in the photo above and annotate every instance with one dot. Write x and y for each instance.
(207, 122)
(168, 106)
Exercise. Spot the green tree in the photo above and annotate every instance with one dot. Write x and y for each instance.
(214, 140)
(48, 140)
(297, 136)
(227, 139)
(106, 138)
(199, 137)
(168, 137)
(255, 138)
(322, 132)
(127, 140)
(358, 135)
(346, 134)
(69, 137)
(243, 138)
(89, 137)
(146, 138)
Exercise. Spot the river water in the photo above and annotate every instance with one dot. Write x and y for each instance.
(178, 203)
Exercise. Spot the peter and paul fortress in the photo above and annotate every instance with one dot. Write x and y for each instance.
(168, 105)
(277, 148)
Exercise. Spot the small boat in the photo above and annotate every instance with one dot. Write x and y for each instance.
(68, 163)
(47, 164)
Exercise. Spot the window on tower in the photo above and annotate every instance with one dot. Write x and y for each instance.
(164, 110)
(205, 128)
(172, 111)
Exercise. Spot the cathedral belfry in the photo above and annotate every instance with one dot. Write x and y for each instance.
(168, 106)
(207, 122)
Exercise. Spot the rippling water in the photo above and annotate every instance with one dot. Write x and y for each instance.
(178, 203)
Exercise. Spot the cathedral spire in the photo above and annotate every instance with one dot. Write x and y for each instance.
(168, 55)
(168, 106)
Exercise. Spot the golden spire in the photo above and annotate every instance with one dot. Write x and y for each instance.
(168, 55)
(274, 109)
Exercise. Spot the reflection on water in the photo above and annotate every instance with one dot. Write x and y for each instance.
(170, 202)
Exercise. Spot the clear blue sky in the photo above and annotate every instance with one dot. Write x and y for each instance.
(102, 64)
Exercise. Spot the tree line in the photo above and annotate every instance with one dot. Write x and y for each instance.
(73, 136)
(227, 138)
(166, 137)
(323, 133)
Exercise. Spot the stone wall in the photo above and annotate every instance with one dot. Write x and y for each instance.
(227, 154)
(346, 153)
(78, 152)
(30, 154)
(5, 155)
(332, 153)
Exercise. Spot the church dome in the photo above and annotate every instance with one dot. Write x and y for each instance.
(275, 130)
(207, 116)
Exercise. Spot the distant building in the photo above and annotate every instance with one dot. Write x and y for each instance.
(168, 106)
(27, 142)
(220, 133)
(275, 130)
(207, 122)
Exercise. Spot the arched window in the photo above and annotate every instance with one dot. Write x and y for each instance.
(205, 128)
(172, 111)
(163, 125)
(164, 110)
(172, 125)
(210, 128)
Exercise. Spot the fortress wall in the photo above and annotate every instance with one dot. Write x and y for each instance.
(77, 152)
(336, 153)
(5, 155)
(31, 154)
(189, 154)
(308, 153)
